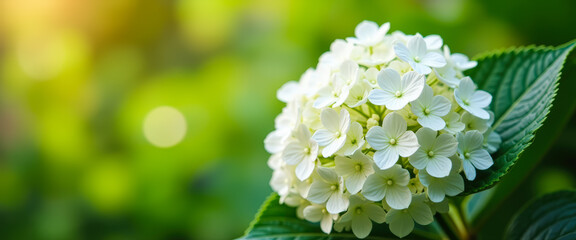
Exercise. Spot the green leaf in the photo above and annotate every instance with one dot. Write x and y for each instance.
(523, 83)
(552, 216)
(279, 222)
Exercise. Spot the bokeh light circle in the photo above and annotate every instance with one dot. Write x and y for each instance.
(164, 126)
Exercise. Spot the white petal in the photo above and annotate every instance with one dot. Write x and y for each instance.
(469, 170)
(293, 153)
(417, 46)
(439, 166)
(344, 121)
(375, 212)
(426, 137)
(481, 159)
(478, 112)
(337, 203)
(361, 226)
(330, 119)
(445, 145)
(480, 99)
(433, 42)
(402, 52)
(401, 224)
(344, 166)
(374, 188)
(454, 185)
(386, 157)
(326, 223)
(377, 138)
(396, 103)
(302, 133)
(436, 193)
(355, 182)
(324, 101)
(472, 140)
(407, 144)
(440, 106)
(398, 197)
(274, 142)
(394, 125)
(465, 89)
(434, 59)
(324, 137)
(304, 170)
(412, 84)
(380, 97)
(328, 175)
(313, 213)
(319, 192)
(287, 92)
(433, 122)
(419, 159)
(365, 30)
(420, 68)
(421, 213)
(334, 146)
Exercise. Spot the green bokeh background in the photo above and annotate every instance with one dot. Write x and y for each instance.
(77, 79)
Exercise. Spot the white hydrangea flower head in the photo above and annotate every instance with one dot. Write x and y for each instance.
(386, 128)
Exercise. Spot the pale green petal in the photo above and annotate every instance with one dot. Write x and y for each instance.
(421, 213)
(375, 212)
(345, 166)
(313, 213)
(401, 176)
(436, 193)
(400, 223)
(454, 184)
(426, 137)
(355, 182)
(319, 192)
(473, 140)
(361, 225)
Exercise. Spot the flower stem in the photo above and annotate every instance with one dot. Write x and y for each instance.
(447, 228)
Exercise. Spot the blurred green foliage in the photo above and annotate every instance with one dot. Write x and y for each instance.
(77, 79)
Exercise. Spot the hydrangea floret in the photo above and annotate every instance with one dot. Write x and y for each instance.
(385, 129)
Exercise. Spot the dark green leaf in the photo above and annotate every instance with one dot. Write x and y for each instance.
(279, 222)
(552, 216)
(523, 83)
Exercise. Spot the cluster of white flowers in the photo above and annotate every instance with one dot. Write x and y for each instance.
(380, 131)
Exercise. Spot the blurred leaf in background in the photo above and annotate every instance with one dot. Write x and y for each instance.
(79, 78)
